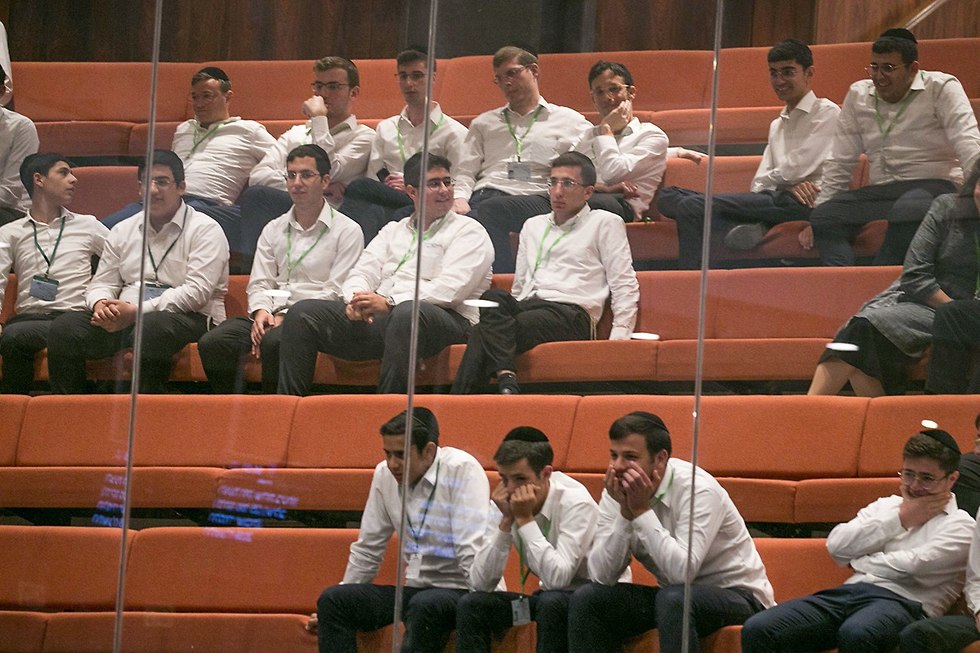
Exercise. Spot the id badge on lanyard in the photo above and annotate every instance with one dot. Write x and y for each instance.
(153, 289)
(44, 288)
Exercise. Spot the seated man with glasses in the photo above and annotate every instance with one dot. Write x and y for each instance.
(305, 253)
(331, 125)
(919, 133)
(374, 318)
(785, 184)
(908, 553)
(569, 262)
(375, 200)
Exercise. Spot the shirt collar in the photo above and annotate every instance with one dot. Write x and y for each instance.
(805, 105)
(430, 474)
(347, 125)
(64, 213)
(435, 114)
(325, 218)
(572, 221)
(541, 103)
(197, 123)
(177, 221)
(551, 502)
(665, 484)
(436, 224)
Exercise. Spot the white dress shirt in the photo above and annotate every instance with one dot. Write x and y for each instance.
(580, 262)
(218, 159)
(456, 259)
(397, 139)
(348, 145)
(446, 530)
(310, 263)
(556, 543)
(723, 554)
(82, 239)
(196, 269)
(925, 564)
(18, 138)
(931, 134)
(799, 143)
(637, 155)
(972, 588)
(545, 131)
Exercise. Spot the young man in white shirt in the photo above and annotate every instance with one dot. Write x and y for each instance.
(569, 262)
(374, 201)
(51, 253)
(332, 125)
(18, 137)
(183, 290)
(446, 504)
(786, 183)
(549, 518)
(908, 553)
(646, 512)
(919, 133)
(303, 254)
(374, 318)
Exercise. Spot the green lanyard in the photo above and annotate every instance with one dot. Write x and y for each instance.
(200, 139)
(401, 141)
(156, 266)
(881, 123)
(519, 142)
(417, 534)
(411, 246)
(290, 265)
(660, 497)
(976, 241)
(525, 570)
(54, 252)
(541, 255)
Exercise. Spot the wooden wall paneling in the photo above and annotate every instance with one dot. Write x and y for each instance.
(839, 21)
(775, 20)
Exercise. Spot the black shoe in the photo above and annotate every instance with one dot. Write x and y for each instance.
(745, 236)
(507, 384)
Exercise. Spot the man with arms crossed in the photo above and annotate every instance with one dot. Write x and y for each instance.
(908, 553)
(447, 503)
(550, 519)
(646, 512)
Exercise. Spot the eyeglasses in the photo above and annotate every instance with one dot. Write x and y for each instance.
(567, 184)
(788, 72)
(436, 184)
(926, 481)
(885, 68)
(509, 75)
(330, 87)
(614, 89)
(415, 76)
(160, 182)
(305, 175)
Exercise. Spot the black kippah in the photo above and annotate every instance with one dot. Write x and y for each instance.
(899, 33)
(943, 438)
(215, 73)
(526, 434)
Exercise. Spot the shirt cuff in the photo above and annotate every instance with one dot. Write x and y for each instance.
(530, 532)
(502, 541)
(620, 333)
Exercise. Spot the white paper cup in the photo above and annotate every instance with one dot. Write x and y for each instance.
(480, 303)
(929, 424)
(842, 346)
(640, 335)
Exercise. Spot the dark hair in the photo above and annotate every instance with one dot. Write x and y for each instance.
(425, 428)
(791, 49)
(412, 173)
(523, 55)
(976, 422)
(897, 40)
(328, 63)
(41, 162)
(619, 69)
(922, 445)
(411, 55)
(651, 427)
(580, 161)
(525, 442)
(212, 72)
(312, 151)
(164, 158)
(3, 75)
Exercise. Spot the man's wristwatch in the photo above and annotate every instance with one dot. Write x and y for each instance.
(389, 301)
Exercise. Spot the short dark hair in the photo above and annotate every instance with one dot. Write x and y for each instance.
(164, 158)
(525, 442)
(580, 161)
(412, 174)
(524, 56)
(791, 49)
(425, 427)
(640, 422)
(213, 72)
(411, 55)
(41, 162)
(313, 151)
(897, 40)
(922, 445)
(329, 63)
(619, 69)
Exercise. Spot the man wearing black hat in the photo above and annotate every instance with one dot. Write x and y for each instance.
(908, 553)
(550, 519)
(646, 512)
(447, 502)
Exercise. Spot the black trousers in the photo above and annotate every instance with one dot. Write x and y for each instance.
(223, 350)
(23, 337)
(955, 343)
(903, 203)
(511, 328)
(372, 205)
(948, 634)
(429, 615)
(480, 616)
(72, 339)
(313, 325)
(260, 205)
